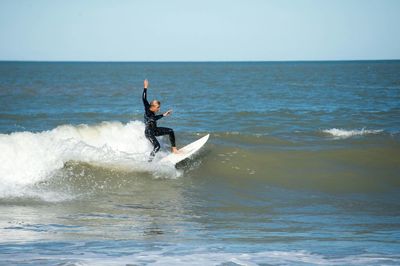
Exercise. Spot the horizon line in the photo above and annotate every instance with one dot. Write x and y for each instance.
(194, 61)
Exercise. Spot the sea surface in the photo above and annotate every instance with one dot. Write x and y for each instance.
(302, 166)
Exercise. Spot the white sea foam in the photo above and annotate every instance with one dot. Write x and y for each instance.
(222, 258)
(27, 158)
(343, 133)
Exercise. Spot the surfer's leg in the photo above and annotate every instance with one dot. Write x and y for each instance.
(156, 145)
(160, 131)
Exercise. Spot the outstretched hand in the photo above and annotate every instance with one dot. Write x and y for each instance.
(145, 83)
(167, 113)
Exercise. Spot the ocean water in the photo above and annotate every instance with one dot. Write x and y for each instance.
(302, 166)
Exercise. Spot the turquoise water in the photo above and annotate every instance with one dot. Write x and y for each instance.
(302, 166)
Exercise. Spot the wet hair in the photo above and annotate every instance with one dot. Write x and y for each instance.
(153, 102)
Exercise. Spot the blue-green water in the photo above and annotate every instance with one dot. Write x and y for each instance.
(302, 166)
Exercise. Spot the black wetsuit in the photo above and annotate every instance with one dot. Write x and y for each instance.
(152, 131)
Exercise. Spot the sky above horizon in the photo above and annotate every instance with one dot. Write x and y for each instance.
(206, 30)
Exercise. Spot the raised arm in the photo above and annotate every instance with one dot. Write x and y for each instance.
(144, 95)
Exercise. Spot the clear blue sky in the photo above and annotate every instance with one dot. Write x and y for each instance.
(203, 30)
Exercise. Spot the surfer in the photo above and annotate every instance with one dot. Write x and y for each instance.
(150, 120)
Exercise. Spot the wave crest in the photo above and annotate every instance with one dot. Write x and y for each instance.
(343, 133)
(28, 158)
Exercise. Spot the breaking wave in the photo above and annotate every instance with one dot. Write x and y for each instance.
(28, 158)
(343, 133)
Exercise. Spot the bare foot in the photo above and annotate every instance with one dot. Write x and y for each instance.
(175, 150)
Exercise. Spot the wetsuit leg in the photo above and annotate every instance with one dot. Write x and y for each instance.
(160, 131)
(150, 135)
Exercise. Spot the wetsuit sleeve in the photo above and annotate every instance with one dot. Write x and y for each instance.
(158, 117)
(144, 98)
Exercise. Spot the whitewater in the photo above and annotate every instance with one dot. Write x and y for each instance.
(30, 158)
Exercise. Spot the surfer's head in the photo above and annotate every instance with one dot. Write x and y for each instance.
(155, 105)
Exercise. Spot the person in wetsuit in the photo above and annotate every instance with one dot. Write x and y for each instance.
(150, 119)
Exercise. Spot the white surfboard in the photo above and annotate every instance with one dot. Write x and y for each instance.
(186, 151)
